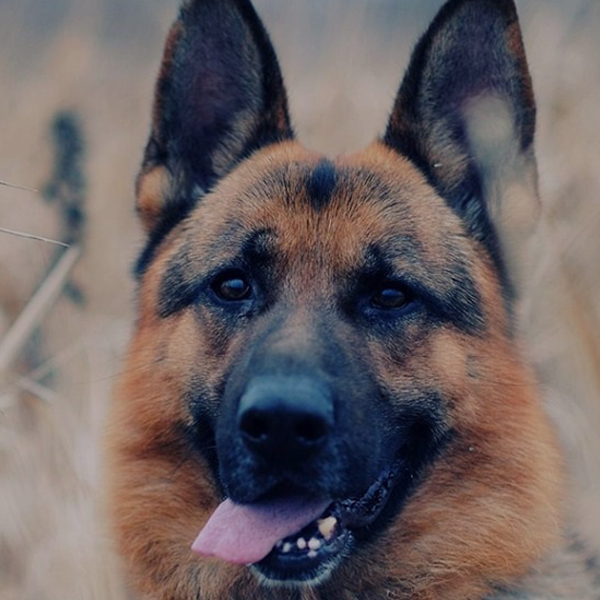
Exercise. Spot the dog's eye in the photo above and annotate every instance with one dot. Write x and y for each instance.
(390, 297)
(232, 287)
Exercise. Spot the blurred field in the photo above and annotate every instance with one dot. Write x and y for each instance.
(343, 60)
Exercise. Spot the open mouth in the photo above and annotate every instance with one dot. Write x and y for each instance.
(292, 539)
(309, 555)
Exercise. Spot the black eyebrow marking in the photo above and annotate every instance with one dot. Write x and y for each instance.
(177, 288)
(321, 184)
(259, 247)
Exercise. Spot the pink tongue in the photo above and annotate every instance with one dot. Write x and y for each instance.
(245, 534)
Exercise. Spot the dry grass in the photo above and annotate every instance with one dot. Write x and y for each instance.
(343, 60)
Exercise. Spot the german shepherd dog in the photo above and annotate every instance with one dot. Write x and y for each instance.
(324, 396)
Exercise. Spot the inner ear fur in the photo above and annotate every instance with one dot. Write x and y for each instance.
(219, 97)
(465, 116)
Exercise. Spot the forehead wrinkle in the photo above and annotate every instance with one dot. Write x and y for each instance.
(364, 207)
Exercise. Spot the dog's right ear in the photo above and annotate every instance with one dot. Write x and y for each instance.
(219, 97)
(465, 116)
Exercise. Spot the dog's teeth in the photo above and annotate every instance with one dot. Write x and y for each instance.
(314, 544)
(286, 547)
(279, 544)
(301, 543)
(326, 526)
(312, 554)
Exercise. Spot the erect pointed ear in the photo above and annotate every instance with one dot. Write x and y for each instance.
(465, 115)
(219, 97)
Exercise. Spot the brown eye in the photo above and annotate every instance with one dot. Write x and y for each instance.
(390, 298)
(233, 288)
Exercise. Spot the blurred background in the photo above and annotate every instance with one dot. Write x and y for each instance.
(76, 79)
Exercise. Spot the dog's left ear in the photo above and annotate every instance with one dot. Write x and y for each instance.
(465, 114)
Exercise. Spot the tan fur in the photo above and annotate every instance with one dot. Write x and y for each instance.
(153, 191)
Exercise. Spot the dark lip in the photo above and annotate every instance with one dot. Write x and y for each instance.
(287, 563)
(362, 512)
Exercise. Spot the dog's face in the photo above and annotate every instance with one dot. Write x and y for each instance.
(323, 378)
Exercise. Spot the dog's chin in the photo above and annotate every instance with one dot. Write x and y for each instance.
(309, 557)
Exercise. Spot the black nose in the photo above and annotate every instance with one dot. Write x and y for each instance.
(285, 418)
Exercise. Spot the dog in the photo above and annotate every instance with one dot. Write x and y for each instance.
(325, 396)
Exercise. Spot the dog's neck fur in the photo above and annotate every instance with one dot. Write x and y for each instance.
(571, 572)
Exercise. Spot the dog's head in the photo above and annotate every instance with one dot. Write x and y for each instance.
(324, 377)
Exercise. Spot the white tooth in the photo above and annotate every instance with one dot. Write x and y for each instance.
(326, 526)
(287, 547)
(301, 543)
(314, 544)
(312, 554)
